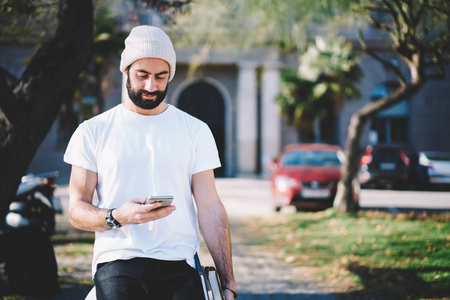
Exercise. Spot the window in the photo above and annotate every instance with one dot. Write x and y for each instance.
(391, 130)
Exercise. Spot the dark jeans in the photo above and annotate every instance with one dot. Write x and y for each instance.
(146, 278)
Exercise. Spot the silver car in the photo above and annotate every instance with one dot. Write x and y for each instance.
(438, 164)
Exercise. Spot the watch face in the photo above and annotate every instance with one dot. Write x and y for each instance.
(110, 223)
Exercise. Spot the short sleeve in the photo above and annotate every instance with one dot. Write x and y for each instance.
(81, 149)
(206, 156)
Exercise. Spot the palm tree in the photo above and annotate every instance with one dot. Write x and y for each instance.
(327, 75)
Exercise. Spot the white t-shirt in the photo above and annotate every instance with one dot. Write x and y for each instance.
(136, 155)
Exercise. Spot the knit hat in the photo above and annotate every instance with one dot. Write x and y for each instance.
(148, 42)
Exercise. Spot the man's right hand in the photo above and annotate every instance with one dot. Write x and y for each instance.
(136, 211)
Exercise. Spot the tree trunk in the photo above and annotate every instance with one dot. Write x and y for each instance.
(30, 105)
(344, 200)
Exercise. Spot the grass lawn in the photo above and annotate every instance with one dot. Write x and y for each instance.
(384, 256)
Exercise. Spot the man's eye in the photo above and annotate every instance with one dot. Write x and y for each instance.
(142, 75)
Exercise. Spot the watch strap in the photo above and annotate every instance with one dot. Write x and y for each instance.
(111, 221)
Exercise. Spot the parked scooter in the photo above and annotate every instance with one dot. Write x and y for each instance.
(30, 262)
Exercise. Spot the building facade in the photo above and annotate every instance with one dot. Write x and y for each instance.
(234, 93)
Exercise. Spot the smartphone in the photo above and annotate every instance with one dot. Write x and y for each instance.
(164, 200)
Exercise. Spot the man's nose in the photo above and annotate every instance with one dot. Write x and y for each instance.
(150, 84)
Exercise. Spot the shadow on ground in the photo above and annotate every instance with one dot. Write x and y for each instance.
(383, 283)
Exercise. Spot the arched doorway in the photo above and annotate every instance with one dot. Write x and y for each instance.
(204, 101)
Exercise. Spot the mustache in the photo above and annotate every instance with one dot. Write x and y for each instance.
(147, 93)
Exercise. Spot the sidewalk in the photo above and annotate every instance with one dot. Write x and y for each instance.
(260, 275)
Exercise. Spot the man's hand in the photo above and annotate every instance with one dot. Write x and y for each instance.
(136, 211)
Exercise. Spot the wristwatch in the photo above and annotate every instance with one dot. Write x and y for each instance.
(111, 221)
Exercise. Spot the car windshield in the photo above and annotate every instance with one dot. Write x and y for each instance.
(311, 158)
(443, 156)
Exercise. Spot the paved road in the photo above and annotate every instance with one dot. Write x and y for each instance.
(251, 197)
(396, 201)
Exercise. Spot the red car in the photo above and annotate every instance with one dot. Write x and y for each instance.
(306, 176)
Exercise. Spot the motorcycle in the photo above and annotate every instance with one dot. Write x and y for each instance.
(30, 262)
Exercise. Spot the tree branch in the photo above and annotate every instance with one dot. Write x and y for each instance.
(397, 96)
(55, 67)
(420, 13)
(376, 24)
(399, 4)
(383, 61)
(394, 15)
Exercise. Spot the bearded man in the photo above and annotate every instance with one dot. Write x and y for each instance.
(145, 147)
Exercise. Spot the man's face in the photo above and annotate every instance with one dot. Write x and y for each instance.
(147, 82)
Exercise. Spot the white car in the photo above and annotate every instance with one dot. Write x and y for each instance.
(438, 164)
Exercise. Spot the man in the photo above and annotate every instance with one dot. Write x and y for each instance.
(146, 147)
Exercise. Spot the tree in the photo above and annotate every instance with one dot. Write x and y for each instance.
(95, 79)
(420, 34)
(22, 21)
(328, 74)
(250, 23)
(419, 31)
(29, 105)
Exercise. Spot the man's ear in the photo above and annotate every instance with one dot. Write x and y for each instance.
(127, 71)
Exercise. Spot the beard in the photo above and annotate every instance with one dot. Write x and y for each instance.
(136, 97)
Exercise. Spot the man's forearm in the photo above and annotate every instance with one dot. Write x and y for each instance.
(85, 216)
(215, 229)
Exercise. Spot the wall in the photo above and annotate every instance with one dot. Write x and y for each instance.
(430, 116)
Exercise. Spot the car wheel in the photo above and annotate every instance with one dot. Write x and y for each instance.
(277, 208)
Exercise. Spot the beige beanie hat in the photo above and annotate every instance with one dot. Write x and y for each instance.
(148, 42)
